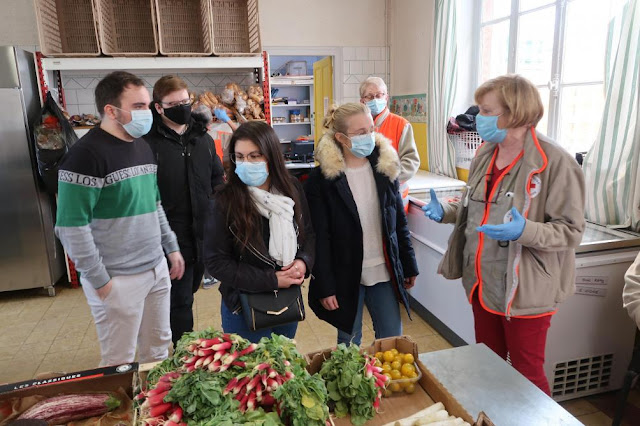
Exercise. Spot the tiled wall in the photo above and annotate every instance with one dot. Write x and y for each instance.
(358, 64)
(79, 87)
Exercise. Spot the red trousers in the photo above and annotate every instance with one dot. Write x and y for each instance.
(523, 339)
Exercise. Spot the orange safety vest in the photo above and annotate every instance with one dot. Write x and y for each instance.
(391, 126)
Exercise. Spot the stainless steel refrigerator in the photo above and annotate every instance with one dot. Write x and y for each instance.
(30, 254)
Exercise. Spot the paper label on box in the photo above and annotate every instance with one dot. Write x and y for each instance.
(592, 285)
(592, 280)
(80, 375)
(591, 291)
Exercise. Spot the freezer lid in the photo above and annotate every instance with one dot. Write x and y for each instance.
(426, 180)
(598, 237)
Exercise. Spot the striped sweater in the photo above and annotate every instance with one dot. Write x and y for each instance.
(109, 218)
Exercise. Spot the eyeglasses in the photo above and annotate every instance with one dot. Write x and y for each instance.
(378, 95)
(177, 103)
(253, 157)
(371, 130)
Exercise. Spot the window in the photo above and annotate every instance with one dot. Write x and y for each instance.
(562, 47)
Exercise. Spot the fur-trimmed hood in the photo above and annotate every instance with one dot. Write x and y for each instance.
(332, 163)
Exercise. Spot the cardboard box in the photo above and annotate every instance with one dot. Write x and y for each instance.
(398, 407)
(108, 379)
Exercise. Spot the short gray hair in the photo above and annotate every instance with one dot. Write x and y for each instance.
(372, 81)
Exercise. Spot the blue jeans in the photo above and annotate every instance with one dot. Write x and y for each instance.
(235, 323)
(384, 309)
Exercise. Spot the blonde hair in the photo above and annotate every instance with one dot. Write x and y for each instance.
(518, 96)
(372, 81)
(336, 119)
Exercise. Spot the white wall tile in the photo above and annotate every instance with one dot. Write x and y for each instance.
(351, 79)
(375, 53)
(71, 83)
(85, 82)
(72, 109)
(70, 96)
(368, 67)
(381, 67)
(362, 53)
(349, 53)
(351, 90)
(345, 71)
(355, 67)
(85, 96)
(86, 109)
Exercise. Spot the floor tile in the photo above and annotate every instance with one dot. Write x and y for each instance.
(579, 407)
(64, 344)
(60, 362)
(595, 419)
(7, 352)
(39, 348)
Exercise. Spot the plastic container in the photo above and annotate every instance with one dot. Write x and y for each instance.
(127, 27)
(184, 27)
(67, 28)
(236, 28)
(465, 145)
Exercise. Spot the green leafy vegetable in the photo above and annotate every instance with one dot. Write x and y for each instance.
(347, 385)
(303, 400)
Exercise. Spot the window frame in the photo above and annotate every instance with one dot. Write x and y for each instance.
(555, 85)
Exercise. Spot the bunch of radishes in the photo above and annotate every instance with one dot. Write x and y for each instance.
(254, 388)
(217, 354)
(154, 411)
(371, 370)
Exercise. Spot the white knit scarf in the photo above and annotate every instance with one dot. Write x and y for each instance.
(283, 241)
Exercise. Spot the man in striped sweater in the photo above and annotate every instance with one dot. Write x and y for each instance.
(113, 227)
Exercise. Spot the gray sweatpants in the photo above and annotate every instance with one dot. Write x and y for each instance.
(135, 312)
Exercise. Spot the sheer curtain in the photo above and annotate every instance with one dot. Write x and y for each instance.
(442, 89)
(611, 166)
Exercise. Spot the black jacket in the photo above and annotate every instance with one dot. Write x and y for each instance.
(339, 239)
(251, 269)
(188, 172)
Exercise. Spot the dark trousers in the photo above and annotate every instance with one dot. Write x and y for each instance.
(182, 292)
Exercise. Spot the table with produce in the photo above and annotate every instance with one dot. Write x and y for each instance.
(218, 379)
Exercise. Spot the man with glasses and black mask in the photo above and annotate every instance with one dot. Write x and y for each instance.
(374, 94)
(114, 228)
(188, 172)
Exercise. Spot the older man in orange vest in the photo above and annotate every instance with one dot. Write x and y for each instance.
(373, 93)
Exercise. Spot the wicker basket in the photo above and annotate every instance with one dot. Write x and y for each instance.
(465, 144)
(127, 27)
(236, 30)
(184, 27)
(67, 28)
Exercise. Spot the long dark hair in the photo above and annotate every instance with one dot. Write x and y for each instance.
(241, 212)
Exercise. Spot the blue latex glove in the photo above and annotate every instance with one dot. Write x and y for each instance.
(507, 231)
(434, 210)
(221, 115)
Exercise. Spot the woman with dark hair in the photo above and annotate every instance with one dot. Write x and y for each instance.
(258, 236)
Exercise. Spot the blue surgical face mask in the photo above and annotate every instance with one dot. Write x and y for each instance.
(252, 174)
(377, 105)
(362, 145)
(140, 124)
(487, 127)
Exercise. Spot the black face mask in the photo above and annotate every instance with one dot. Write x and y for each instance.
(179, 114)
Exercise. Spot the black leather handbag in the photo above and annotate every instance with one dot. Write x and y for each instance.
(266, 310)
